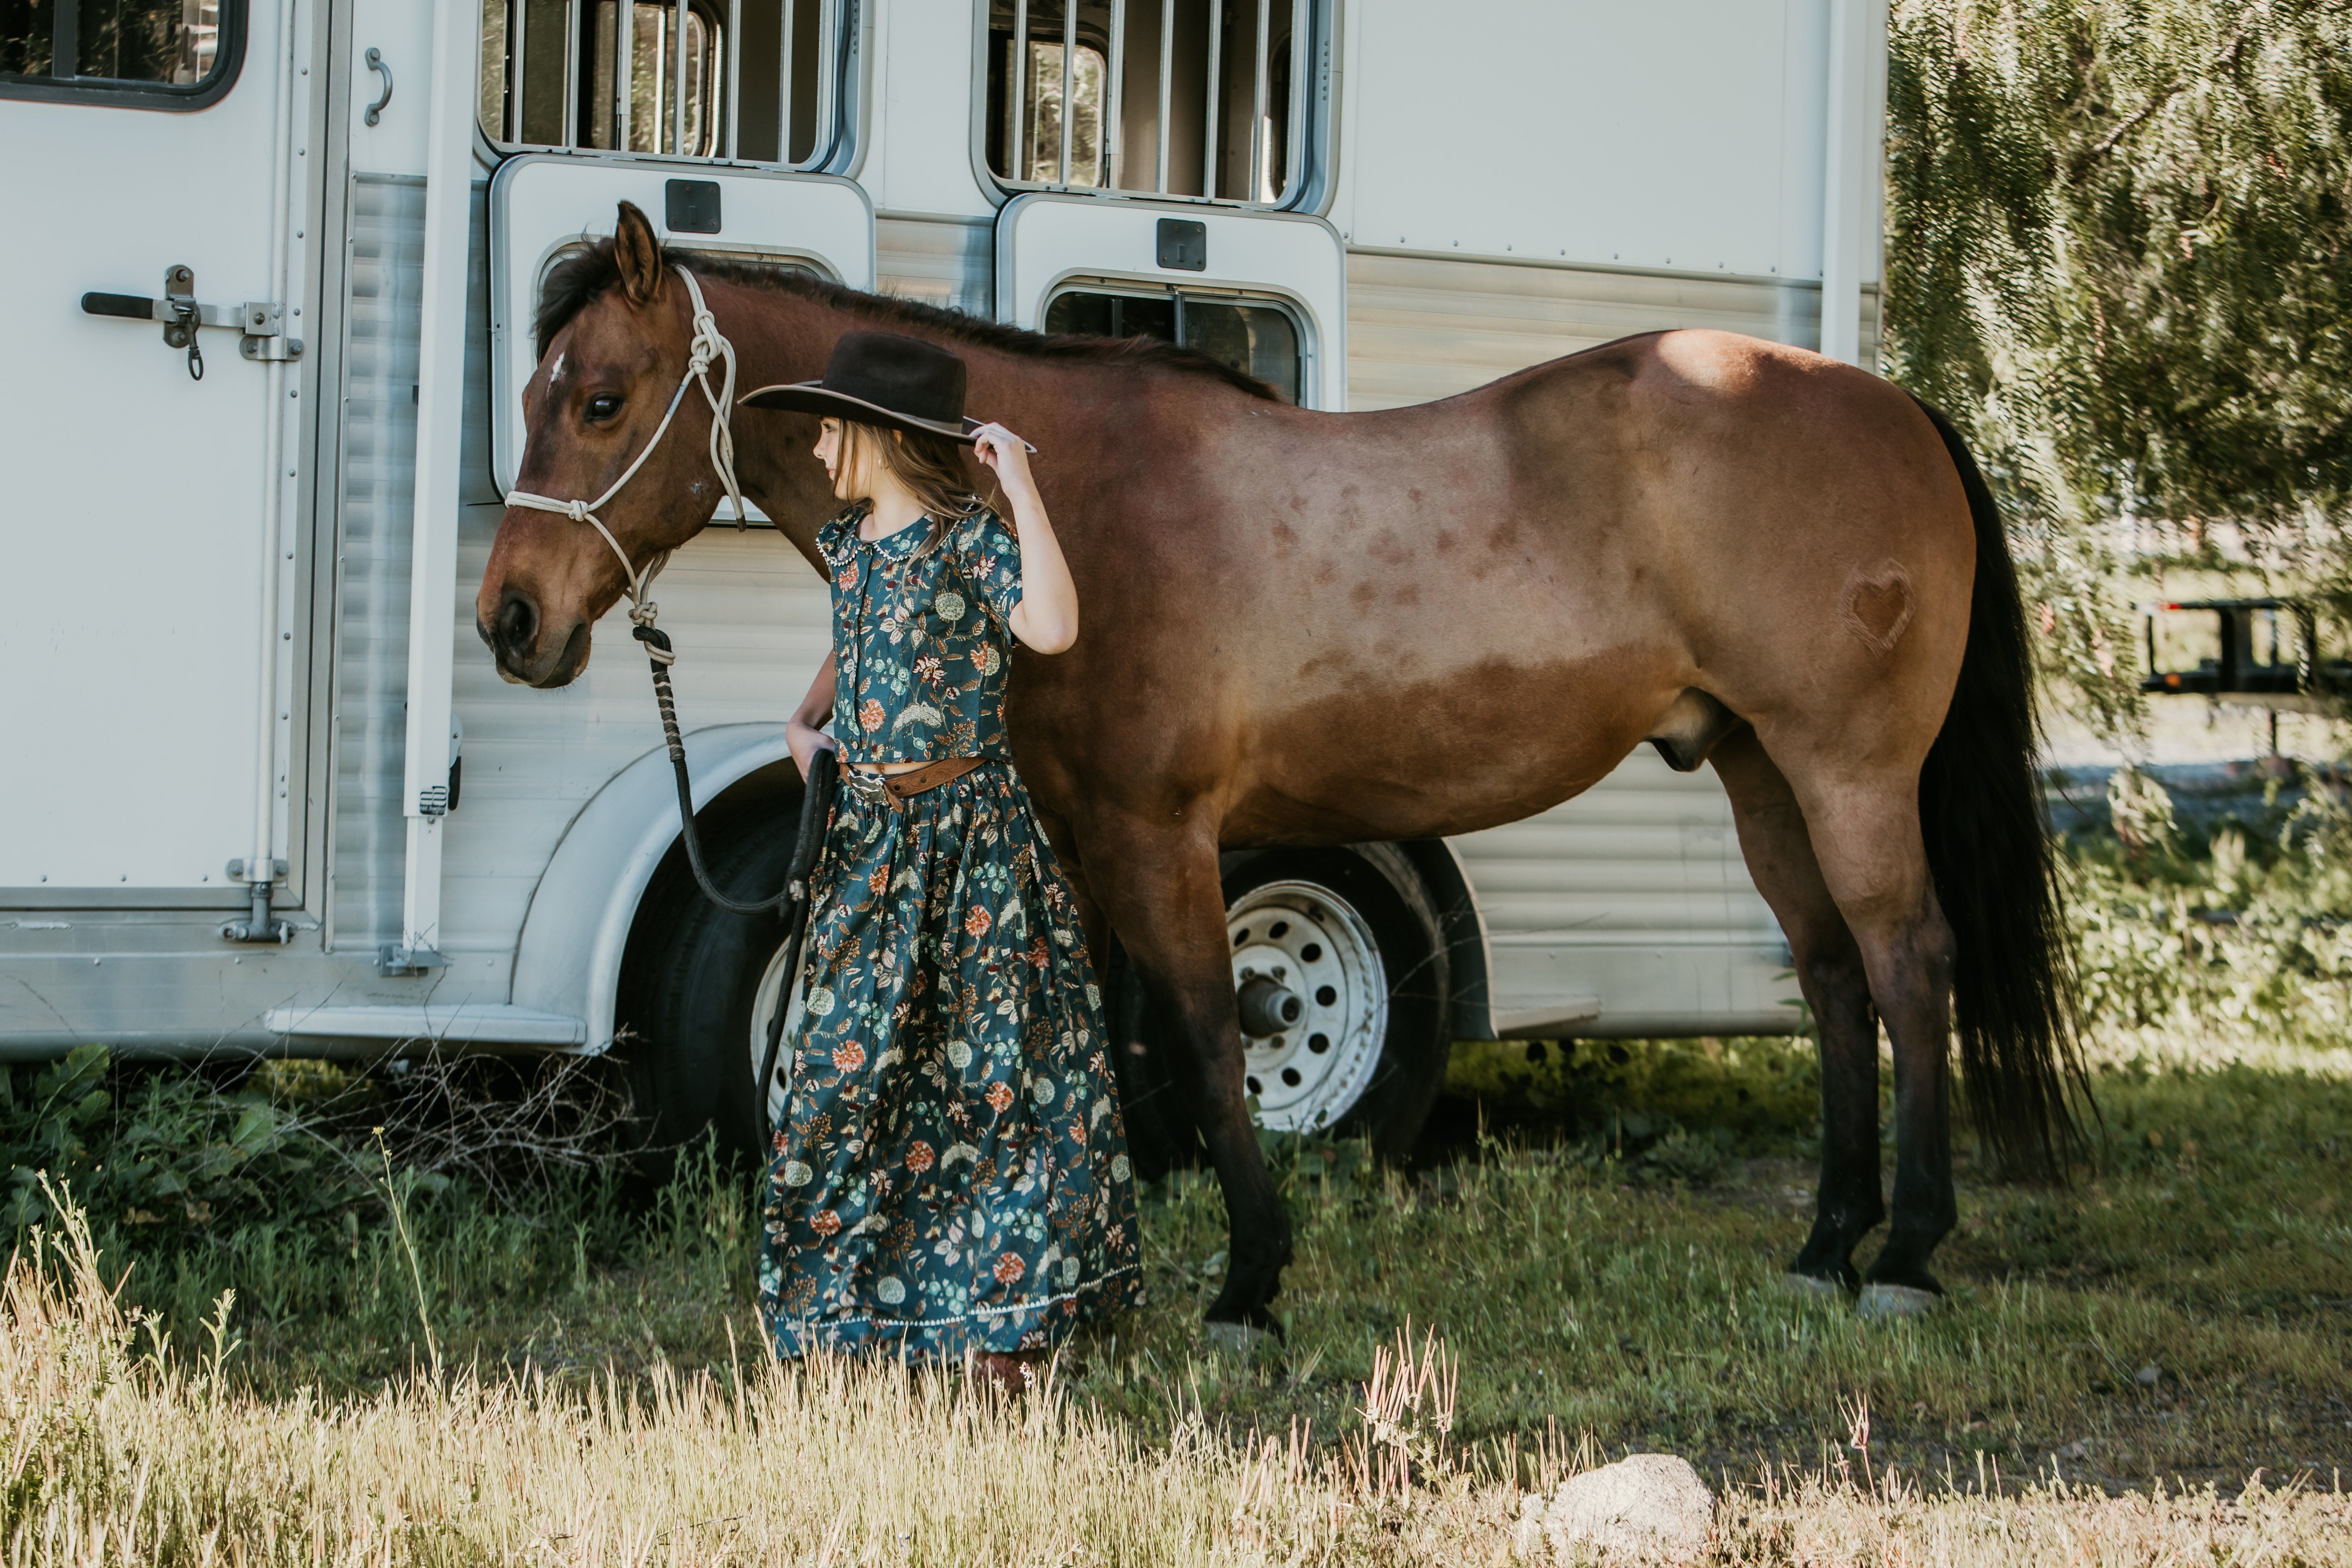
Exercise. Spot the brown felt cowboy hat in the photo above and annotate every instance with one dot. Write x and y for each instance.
(882, 378)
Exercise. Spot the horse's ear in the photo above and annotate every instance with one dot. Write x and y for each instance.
(638, 254)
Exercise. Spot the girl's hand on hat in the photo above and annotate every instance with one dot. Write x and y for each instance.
(1008, 455)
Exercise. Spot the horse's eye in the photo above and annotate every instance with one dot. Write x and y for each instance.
(602, 406)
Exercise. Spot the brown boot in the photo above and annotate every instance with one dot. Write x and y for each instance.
(1010, 1371)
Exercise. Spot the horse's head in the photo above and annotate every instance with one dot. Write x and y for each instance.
(614, 325)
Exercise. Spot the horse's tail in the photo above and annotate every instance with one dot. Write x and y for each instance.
(1989, 850)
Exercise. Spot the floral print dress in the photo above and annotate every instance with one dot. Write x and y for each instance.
(952, 1172)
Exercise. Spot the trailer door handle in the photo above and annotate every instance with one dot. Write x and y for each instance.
(131, 307)
(261, 322)
(375, 62)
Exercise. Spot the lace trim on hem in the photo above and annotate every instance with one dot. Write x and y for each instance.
(802, 1326)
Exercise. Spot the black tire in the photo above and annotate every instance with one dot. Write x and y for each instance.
(1379, 884)
(689, 985)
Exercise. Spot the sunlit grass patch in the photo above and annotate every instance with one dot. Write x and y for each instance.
(2179, 1310)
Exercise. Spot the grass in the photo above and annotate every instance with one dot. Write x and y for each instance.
(2178, 1314)
(111, 1455)
(512, 1353)
(2181, 1314)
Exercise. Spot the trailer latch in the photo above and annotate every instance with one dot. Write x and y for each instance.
(261, 322)
(393, 961)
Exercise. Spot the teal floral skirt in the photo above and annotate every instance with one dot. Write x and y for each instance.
(953, 1172)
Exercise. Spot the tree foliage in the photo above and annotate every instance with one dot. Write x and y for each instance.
(2116, 252)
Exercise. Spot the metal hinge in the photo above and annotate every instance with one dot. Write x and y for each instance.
(262, 321)
(263, 325)
(392, 960)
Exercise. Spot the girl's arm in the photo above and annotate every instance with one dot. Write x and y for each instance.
(1046, 618)
(801, 731)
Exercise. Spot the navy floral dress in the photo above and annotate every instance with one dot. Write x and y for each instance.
(953, 1172)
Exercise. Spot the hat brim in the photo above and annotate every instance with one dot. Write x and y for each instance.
(816, 397)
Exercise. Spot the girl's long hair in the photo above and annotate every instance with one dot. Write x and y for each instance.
(930, 466)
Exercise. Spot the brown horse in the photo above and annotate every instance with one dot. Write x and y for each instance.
(1322, 628)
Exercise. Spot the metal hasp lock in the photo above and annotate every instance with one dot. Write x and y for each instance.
(262, 322)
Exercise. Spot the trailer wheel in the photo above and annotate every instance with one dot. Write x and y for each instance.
(1342, 980)
(698, 983)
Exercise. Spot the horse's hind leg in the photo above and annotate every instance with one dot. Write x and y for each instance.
(1830, 971)
(1864, 829)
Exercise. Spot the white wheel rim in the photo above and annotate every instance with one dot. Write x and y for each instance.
(763, 1008)
(1313, 941)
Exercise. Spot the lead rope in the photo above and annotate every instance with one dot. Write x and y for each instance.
(707, 344)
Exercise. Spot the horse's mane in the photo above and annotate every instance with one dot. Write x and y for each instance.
(582, 277)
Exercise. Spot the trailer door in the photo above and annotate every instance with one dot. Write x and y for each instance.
(151, 175)
(1161, 162)
(726, 122)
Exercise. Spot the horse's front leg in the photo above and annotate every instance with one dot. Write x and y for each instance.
(1163, 896)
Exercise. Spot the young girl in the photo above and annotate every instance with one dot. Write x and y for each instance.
(951, 1177)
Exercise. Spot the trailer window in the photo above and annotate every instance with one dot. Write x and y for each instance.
(754, 80)
(1176, 98)
(1258, 337)
(157, 53)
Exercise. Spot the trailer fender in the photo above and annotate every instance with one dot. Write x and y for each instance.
(1470, 952)
(568, 958)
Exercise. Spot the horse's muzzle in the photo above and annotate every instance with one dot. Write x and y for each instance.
(515, 636)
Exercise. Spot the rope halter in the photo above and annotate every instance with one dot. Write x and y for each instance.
(708, 343)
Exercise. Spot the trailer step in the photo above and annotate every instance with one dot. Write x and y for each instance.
(478, 1022)
(1540, 1020)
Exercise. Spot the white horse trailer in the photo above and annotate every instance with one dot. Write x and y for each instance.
(264, 790)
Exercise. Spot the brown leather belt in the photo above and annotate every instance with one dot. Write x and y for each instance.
(894, 789)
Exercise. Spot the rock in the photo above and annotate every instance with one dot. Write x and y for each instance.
(1895, 1301)
(1806, 1285)
(1241, 1343)
(1651, 1507)
(2148, 1376)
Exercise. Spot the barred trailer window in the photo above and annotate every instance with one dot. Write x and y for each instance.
(756, 80)
(156, 53)
(1180, 97)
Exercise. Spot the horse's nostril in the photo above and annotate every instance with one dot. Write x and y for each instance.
(518, 625)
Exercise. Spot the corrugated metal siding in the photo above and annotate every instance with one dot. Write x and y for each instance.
(940, 260)
(375, 497)
(1633, 892)
(1420, 328)
(377, 503)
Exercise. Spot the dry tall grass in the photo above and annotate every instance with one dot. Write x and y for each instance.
(117, 1450)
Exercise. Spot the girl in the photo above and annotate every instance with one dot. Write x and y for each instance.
(951, 1177)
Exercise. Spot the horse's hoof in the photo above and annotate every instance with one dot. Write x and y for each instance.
(1880, 1300)
(1806, 1285)
(1243, 1344)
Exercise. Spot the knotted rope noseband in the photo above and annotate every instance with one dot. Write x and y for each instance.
(708, 345)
